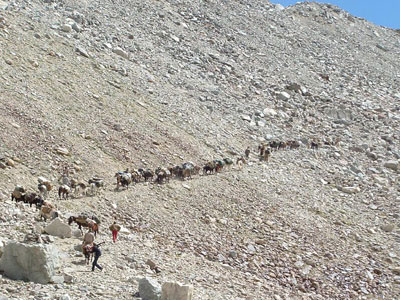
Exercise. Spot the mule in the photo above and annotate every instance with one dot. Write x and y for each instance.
(83, 221)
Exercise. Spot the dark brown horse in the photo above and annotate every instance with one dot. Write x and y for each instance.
(84, 222)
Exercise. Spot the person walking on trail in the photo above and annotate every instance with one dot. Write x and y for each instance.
(247, 152)
(97, 253)
(114, 229)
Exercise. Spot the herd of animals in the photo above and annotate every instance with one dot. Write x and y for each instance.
(125, 178)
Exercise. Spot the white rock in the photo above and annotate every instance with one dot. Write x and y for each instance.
(269, 112)
(66, 28)
(350, 189)
(82, 51)
(121, 52)
(283, 96)
(176, 291)
(58, 228)
(246, 118)
(3, 5)
(32, 262)
(62, 151)
(65, 297)
(124, 230)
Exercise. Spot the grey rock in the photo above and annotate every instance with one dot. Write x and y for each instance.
(76, 27)
(121, 53)
(388, 227)
(372, 155)
(382, 47)
(68, 278)
(283, 96)
(339, 114)
(58, 228)
(82, 51)
(396, 271)
(149, 289)
(392, 164)
(33, 262)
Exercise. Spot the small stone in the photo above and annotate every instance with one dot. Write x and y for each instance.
(66, 28)
(76, 27)
(388, 227)
(392, 164)
(121, 53)
(251, 248)
(68, 278)
(269, 112)
(283, 96)
(65, 297)
(82, 51)
(62, 151)
(350, 189)
(10, 162)
(151, 264)
(246, 118)
(175, 38)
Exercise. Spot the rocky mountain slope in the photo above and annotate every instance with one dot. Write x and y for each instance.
(104, 85)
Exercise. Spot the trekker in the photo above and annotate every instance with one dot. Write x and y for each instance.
(97, 253)
(247, 152)
(114, 229)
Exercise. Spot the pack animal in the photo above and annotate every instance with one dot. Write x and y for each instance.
(63, 191)
(124, 179)
(83, 221)
(48, 211)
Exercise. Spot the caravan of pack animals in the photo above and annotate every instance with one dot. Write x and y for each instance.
(75, 188)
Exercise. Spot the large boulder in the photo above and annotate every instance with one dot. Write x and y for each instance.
(32, 262)
(149, 289)
(58, 228)
(176, 291)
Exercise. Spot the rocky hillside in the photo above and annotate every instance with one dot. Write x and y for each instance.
(100, 86)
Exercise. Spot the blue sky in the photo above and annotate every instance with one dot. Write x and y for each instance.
(380, 12)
